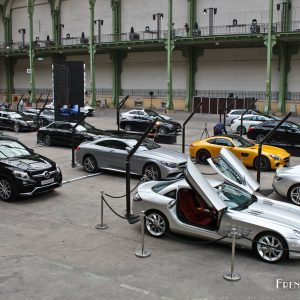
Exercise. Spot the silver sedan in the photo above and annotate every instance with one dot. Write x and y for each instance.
(211, 209)
(150, 159)
(286, 183)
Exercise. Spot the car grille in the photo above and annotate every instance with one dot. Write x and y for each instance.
(44, 175)
(182, 165)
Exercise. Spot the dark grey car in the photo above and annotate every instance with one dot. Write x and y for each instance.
(150, 159)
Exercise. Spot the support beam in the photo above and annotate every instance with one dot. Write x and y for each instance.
(9, 69)
(31, 52)
(55, 14)
(92, 52)
(116, 18)
(117, 57)
(192, 9)
(192, 54)
(283, 57)
(170, 48)
(270, 43)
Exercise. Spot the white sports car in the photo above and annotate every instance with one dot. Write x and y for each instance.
(143, 113)
(211, 209)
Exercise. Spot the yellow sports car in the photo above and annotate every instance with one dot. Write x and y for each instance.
(272, 157)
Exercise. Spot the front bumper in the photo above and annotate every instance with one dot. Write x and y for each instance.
(284, 162)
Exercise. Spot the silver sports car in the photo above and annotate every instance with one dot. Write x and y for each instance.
(286, 183)
(150, 159)
(211, 209)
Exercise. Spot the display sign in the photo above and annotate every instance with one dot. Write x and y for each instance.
(68, 81)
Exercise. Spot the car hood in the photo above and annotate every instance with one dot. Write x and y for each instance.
(289, 171)
(275, 211)
(233, 170)
(28, 163)
(200, 185)
(266, 149)
(164, 154)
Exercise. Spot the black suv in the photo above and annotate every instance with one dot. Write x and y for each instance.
(23, 172)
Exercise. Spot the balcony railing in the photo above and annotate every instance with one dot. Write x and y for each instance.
(154, 35)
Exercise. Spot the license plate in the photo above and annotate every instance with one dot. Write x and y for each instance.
(44, 182)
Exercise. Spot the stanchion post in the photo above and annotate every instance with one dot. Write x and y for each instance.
(142, 253)
(101, 225)
(232, 276)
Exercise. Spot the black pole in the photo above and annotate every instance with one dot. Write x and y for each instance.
(251, 104)
(269, 135)
(127, 164)
(38, 100)
(41, 110)
(73, 139)
(19, 101)
(185, 122)
(120, 104)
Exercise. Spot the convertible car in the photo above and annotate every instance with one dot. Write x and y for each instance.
(211, 209)
(272, 157)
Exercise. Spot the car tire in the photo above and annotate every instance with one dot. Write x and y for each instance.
(128, 127)
(156, 224)
(16, 128)
(265, 164)
(47, 140)
(259, 138)
(90, 164)
(269, 254)
(162, 130)
(294, 194)
(243, 129)
(7, 190)
(202, 156)
(152, 172)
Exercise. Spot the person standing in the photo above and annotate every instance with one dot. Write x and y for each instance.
(21, 105)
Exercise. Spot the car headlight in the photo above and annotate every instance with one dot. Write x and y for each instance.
(157, 123)
(22, 175)
(276, 157)
(58, 168)
(168, 164)
(297, 233)
(277, 178)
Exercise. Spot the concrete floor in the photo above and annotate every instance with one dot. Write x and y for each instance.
(50, 249)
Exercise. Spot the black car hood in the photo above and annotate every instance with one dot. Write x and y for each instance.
(28, 163)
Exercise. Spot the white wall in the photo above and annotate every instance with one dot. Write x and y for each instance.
(21, 78)
(294, 74)
(235, 69)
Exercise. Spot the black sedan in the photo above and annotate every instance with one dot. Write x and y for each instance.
(287, 135)
(16, 121)
(141, 123)
(25, 173)
(46, 116)
(60, 133)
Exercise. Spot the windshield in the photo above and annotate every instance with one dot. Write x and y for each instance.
(292, 125)
(146, 145)
(151, 113)
(10, 149)
(84, 127)
(15, 116)
(234, 197)
(241, 142)
(160, 186)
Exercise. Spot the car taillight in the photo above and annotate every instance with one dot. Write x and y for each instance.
(77, 148)
(250, 129)
(193, 145)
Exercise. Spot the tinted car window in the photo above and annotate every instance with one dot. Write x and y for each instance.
(212, 141)
(118, 145)
(223, 142)
(106, 143)
(171, 194)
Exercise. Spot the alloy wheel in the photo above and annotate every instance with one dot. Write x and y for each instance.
(90, 164)
(47, 140)
(5, 190)
(152, 172)
(202, 156)
(270, 248)
(162, 130)
(156, 224)
(294, 194)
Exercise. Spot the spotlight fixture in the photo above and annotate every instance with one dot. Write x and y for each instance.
(204, 11)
